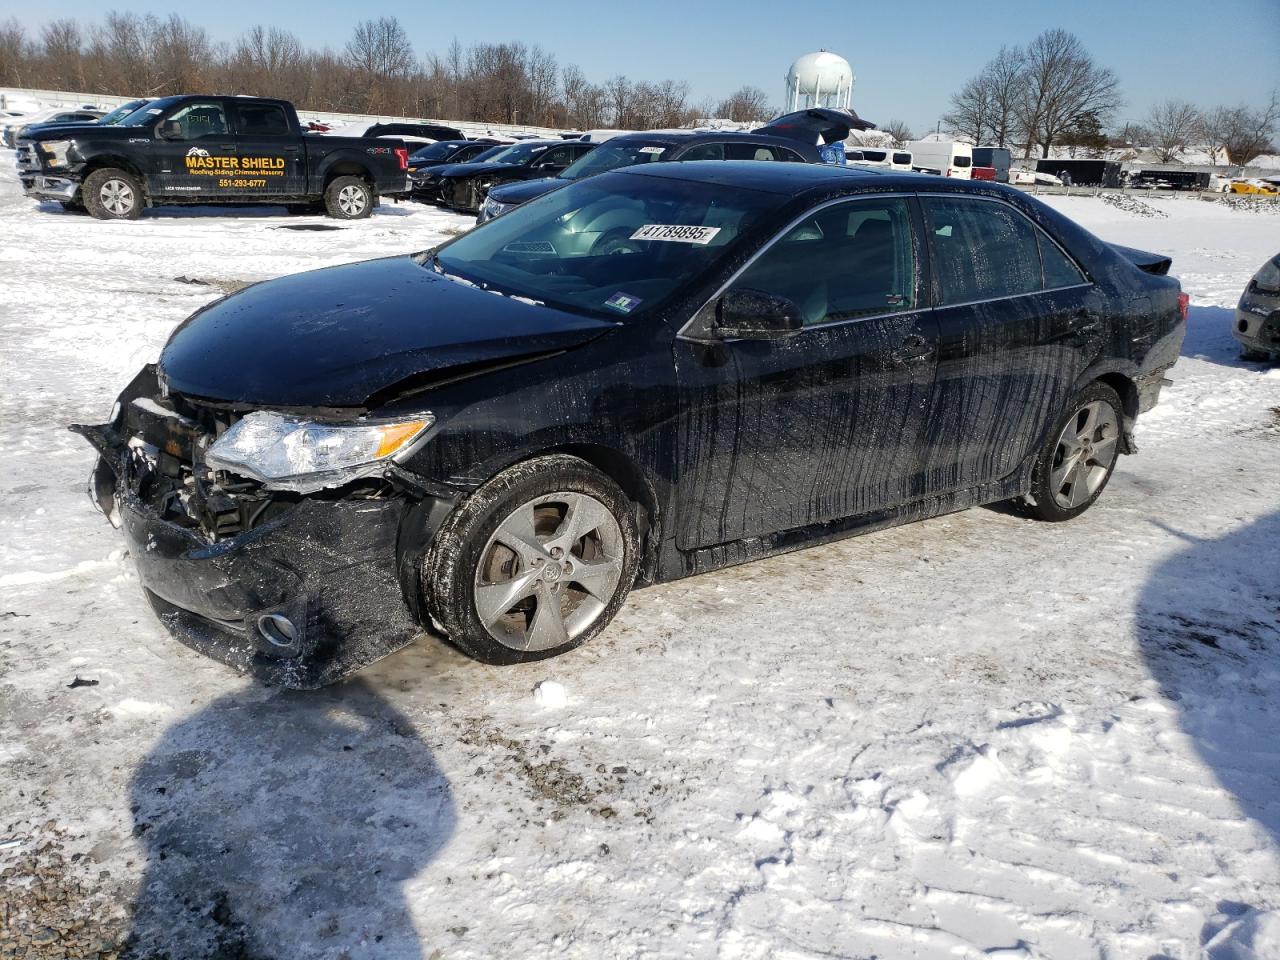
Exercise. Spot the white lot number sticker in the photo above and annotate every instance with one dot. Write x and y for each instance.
(673, 233)
(654, 150)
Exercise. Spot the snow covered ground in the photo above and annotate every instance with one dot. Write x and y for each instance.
(974, 736)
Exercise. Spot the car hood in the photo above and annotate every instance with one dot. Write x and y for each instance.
(66, 130)
(472, 169)
(527, 190)
(347, 336)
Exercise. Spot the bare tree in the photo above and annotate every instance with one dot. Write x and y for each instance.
(1063, 84)
(62, 54)
(380, 55)
(899, 132)
(1247, 133)
(14, 52)
(746, 105)
(1212, 132)
(1171, 126)
(970, 114)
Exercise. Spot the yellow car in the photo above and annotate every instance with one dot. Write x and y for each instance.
(1255, 186)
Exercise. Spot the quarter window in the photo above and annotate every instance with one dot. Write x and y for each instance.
(982, 250)
(1059, 271)
(851, 260)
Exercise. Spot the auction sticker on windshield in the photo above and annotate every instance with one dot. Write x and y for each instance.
(673, 233)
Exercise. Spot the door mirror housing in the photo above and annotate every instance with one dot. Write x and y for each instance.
(755, 315)
(170, 130)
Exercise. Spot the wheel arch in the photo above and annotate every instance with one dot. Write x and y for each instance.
(348, 168)
(633, 481)
(1119, 377)
(110, 160)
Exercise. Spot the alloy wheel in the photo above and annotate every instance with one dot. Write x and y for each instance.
(117, 196)
(1085, 454)
(351, 200)
(549, 571)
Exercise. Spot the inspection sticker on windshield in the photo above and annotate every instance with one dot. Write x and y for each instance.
(623, 301)
(673, 233)
(653, 149)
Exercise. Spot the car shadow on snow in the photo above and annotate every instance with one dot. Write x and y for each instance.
(1209, 625)
(282, 824)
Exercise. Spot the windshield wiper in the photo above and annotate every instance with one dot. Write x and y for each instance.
(430, 258)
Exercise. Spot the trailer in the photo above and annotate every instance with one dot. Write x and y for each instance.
(1082, 173)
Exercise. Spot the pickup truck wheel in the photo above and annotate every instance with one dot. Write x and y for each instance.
(348, 198)
(111, 194)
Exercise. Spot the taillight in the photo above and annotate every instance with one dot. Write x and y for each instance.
(402, 154)
(1184, 303)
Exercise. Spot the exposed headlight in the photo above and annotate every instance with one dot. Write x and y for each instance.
(1268, 278)
(288, 453)
(55, 151)
(492, 208)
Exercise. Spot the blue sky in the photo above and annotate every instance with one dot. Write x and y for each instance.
(908, 56)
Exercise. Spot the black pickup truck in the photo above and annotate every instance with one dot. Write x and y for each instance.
(198, 149)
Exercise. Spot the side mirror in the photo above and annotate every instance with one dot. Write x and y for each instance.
(170, 130)
(755, 315)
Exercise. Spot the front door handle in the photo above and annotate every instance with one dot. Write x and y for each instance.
(913, 347)
(226, 146)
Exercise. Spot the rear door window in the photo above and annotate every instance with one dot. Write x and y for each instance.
(261, 120)
(983, 250)
(704, 151)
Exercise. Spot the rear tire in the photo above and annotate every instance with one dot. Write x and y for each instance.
(1076, 462)
(573, 556)
(112, 194)
(348, 198)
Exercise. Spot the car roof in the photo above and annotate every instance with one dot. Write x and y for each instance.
(799, 178)
(701, 136)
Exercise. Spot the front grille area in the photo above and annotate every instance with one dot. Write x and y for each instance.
(167, 439)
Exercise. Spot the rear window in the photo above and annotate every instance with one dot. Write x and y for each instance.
(962, 162)
(877, 155)
(902, 158)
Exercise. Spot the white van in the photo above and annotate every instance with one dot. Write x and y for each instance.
(948, 158)
(878, 157)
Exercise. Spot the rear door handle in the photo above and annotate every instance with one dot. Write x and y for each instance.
(290, 149)
(913, 347)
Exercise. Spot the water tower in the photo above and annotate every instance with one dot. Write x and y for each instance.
(821, 79)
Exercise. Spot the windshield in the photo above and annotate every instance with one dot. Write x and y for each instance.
(147, 113)
(613, 156)
(519, 153)
(613, 246)
(120, 112)
(439, 151)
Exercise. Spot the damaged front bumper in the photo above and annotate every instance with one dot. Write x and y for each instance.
(302, 598)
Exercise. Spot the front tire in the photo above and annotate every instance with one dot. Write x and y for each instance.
(348, 198)
(112, 194)
(534, 563)
(1077, 460)
(1249, 355)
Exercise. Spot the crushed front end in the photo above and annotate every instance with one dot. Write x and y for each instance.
(296, 589)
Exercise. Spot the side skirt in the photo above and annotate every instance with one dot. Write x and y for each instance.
(675, 563)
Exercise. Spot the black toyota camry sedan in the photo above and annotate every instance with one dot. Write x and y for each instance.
(645, 375)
